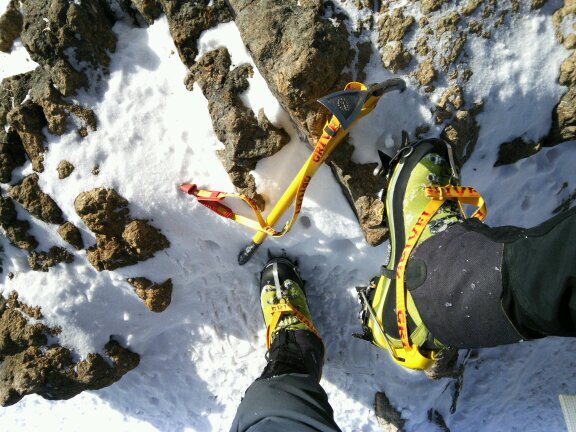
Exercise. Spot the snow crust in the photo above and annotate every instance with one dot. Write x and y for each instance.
(199, 356)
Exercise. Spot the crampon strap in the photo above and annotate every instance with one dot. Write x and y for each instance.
(438, 195)
(282, 308)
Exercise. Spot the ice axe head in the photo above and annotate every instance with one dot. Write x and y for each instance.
(345, 105)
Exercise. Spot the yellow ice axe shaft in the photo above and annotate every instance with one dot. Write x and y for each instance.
(344, 116)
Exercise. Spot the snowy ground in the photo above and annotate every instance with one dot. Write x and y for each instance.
(199, 356)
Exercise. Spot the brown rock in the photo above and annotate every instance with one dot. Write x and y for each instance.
(361, 187)
(28, 365)
(500, 20)
(28, 121)
(421, 130)
(515, 6)
(103, 211)
(38, 204)
(570, 41)
(487, 12)
(246, 138)
(427, 6)
(512, 151)
(149, 9)
(144, 239)
(422, 46)
(15, 332)
(65, 168)
(71, 234)
(361, 4)
(426, 74)
(110, 253)
(187, 20)
(463, 132)
(44, 106)
(537, 4)
(453, 96)
(395, 57)
(453, 50)
(15, 230)
(453, 75)
(12, 154)
(393, 27)
(120, 241)
(123, 359)
(7, 212)
(389, 418)
(10, 26)
(471, 7)
(54, 28)
(475, 27)
(448, 23)
(563, 120)
(441, 115)
(289, 43)
(364, 56)
(19, 236)
(156, 297)
(42, 261)
(568, 71)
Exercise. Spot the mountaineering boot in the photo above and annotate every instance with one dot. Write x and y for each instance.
(418, 165)
(294, 345)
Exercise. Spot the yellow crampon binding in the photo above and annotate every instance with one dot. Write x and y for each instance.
(347, 106)
(410, 356)
(282, 308)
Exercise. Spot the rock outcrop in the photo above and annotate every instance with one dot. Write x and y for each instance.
(247, 139)
(29, 365)
(149, 9)
(10, 26)
(42, 261)
(64, 169)
(34, 105)
(40, 205)
(16, 230)
(120, 240)
(69, 39)
(71, 234)
(187, 20)
(156, 297)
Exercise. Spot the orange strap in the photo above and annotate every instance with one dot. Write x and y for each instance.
(282, 308)
(438, 195)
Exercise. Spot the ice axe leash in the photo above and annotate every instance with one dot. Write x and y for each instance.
(347, 107)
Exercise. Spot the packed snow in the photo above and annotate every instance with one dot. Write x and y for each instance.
(199, 356)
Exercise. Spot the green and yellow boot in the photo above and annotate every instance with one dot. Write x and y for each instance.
(294, 345)
(421, 173)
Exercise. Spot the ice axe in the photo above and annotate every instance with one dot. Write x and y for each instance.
(347, 107)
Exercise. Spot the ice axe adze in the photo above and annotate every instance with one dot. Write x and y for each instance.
(347, 107)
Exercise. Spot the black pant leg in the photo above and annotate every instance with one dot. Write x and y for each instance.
(540, 278)
(290, 402)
